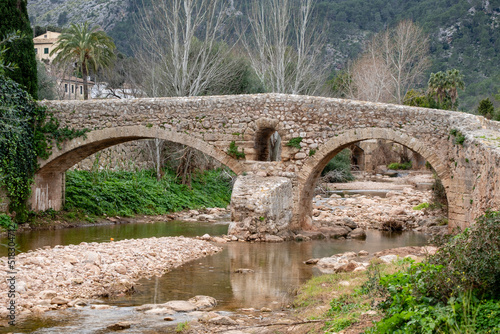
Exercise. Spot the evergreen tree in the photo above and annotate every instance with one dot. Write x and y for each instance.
(14, 17)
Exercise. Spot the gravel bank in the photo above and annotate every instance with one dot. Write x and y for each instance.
(56, 277)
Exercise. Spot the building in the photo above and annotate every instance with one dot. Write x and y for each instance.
(71, 88)
(44, 44)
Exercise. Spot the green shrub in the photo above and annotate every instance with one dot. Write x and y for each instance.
(128, 193)
(233, 151)
(471, 260)
(400, 166)
(6, 221)
(339, 168)
(457, 290)
(294, 142)
(421, 206)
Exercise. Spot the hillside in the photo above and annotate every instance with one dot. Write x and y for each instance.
(465, 34)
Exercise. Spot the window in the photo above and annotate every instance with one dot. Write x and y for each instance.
(81, 90)
(72, 89)
(65, 88)
(36, 51)
(46, 51)
(44, 36)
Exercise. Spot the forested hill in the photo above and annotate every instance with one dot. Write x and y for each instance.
(464, 34)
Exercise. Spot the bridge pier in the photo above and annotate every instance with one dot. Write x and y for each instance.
(261, 206)
(48, 191)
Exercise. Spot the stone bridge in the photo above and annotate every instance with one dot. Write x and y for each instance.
(468, 171)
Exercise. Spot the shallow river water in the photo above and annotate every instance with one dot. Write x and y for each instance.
(278, 270)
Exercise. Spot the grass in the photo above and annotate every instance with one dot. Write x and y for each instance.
(341, 306)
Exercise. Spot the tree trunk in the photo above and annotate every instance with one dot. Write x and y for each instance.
(85, 87)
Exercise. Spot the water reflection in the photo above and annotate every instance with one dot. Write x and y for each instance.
(278, 269)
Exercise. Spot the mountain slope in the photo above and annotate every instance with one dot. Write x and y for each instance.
(465, 34)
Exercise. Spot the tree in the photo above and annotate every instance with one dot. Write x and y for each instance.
(284, 49)
(444, 86)
(486, 108)
(393, 63)
(184, 49)
(21, 51)
(89, 48)
(47, 82)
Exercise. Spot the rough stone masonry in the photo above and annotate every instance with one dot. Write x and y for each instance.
(469, 170)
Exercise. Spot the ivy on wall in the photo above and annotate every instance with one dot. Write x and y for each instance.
(26, 132)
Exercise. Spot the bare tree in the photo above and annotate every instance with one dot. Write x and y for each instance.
(394, 62)
(284, 49)
(406, 53)
(183, 51)
(370, 78)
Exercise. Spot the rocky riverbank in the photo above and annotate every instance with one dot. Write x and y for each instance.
(389, 204)
(63, 276)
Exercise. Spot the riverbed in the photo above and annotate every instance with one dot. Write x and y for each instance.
(277, 270)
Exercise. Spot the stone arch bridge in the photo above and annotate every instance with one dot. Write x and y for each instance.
(468, 171)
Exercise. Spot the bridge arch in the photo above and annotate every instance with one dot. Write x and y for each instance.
(48, 190)
(313, 166)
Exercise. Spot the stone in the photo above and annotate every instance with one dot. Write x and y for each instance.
(300, 156)
(47, 294)
(119, 268)
(349, 223)
(203, 302)
(160, 310)
(119, 326)
(272, 238)
(266, 309)
(205, 237)
(311, 261)
(219, 240)
(222, 320)
(243, 271)
(388, 258)
(180, 306)
(363, 253)
(59, 301)
(358, 233)
(169, 318)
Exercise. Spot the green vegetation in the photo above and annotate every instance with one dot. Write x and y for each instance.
(14, 17)
(459, 137)
(421, 206)
(457, 290)
(129, 193)
(295, 142)
(234, 152)
(400, 166)
(182, 326)
(19, 143)
(339, 168)
(29, 134)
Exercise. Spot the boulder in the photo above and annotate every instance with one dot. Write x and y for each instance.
(358, 233)
(181, 306)
(349, 223)
(119, 326)
(222, 320)
(203, 302)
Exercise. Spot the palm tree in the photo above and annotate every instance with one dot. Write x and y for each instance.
(455, 81)
(89, 48)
